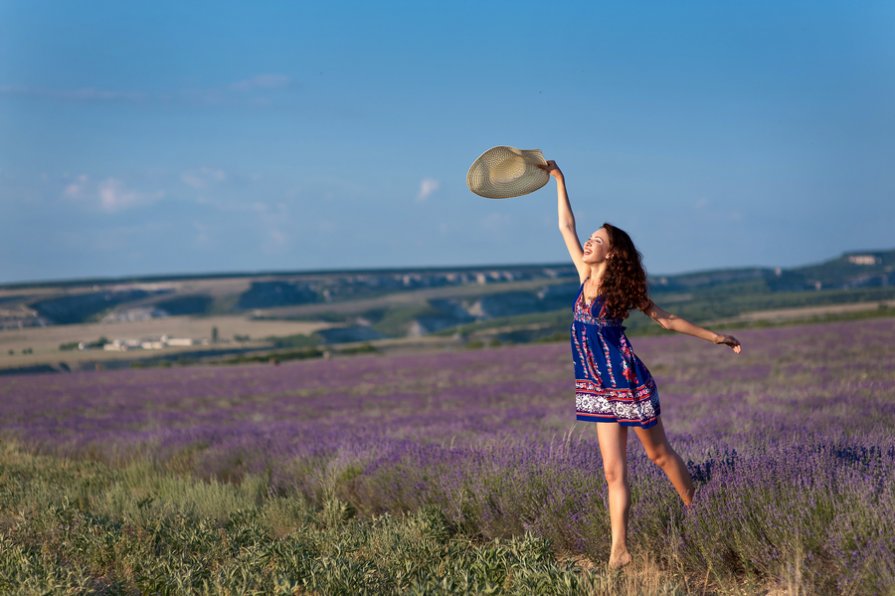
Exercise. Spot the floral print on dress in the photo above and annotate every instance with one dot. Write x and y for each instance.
(631, 398)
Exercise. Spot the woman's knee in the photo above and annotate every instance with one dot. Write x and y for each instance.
(615, 474)
(661, 456)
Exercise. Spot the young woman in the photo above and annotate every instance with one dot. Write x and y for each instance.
(612, 385)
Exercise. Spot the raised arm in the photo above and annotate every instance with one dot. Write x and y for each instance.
(567, 220)
(675, 323)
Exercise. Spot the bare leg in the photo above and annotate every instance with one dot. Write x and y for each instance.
(655, 443)
(613, 439)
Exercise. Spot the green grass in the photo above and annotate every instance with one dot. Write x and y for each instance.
(81, 526)
(298, 340)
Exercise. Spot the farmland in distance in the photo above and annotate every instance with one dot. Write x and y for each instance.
(59, 326)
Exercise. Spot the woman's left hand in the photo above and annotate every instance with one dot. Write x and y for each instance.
(729, 340)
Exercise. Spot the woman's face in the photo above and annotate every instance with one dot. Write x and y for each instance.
(597, 247)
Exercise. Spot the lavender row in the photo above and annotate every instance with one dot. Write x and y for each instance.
(824, 378)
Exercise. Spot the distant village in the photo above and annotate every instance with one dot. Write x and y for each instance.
(147, 343)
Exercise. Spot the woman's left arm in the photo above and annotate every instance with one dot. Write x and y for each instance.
(673, 322)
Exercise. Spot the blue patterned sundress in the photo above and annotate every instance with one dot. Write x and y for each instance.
(611, 383)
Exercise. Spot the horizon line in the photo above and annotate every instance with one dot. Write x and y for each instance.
(157, 277)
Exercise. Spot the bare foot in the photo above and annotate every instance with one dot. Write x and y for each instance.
(620, 560)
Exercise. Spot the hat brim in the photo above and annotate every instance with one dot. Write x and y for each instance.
(504, 172)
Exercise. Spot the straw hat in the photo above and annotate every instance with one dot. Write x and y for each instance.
(503, 172)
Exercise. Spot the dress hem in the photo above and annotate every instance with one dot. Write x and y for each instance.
(585, 417)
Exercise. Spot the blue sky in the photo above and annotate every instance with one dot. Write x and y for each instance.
(194, 137)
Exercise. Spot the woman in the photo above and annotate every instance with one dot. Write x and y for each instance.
(612, 385)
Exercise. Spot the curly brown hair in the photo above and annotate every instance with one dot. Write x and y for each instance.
(624, 282)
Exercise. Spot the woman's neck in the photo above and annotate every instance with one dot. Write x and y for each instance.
(593, 284)
(596, 273)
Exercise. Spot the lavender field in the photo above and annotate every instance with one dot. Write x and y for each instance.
(791, 443)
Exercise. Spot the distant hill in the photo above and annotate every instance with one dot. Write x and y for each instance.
(864, 269)
(389, 303)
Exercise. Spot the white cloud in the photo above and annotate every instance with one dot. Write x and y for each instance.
(109, 195)
(76, 188)
(203, 177)
(427, 187)
(113, 196)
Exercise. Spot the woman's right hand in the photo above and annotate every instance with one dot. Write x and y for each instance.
(552, 169)
(728, 340)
